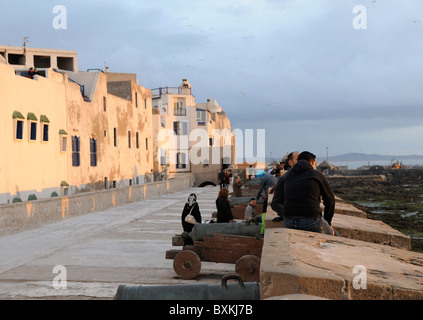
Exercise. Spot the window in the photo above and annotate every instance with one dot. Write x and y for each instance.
(163, 157)
(32, 131)
(201, 115)
(104, 104)
(115, 137)
(65, 63)
(19, 129)
(18, 124)
(32, 126)
(180, 128)
(44, 127)
(45, 132)
(137, 140)
(181, 160)
(129, 139)
(76, 147)
(136, 99)
(178, 109)
(93, 152)
(18, 59)
(42, 62)
(146, 143)
(63, 140)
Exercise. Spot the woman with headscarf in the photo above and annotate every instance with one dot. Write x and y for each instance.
(191, 207)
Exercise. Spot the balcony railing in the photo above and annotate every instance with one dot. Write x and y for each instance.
(180, 112)
(169, 90)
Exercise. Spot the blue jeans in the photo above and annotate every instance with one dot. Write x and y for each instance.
(319, 225)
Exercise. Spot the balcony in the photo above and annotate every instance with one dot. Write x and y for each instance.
(180, 112)
(169, 90)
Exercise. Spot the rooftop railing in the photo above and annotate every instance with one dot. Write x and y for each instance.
(170, 90)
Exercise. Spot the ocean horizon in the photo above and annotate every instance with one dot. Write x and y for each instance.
(368, 161)
(355, 164)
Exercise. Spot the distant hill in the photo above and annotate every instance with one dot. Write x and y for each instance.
(361, 157)
(370, 157)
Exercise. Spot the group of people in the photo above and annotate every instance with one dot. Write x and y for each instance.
(297, 188)
(31, 73)
(225, 177)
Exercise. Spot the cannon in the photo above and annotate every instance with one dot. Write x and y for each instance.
(235, 243)
(224, 291)
(202, 230)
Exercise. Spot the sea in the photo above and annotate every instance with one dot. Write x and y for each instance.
(353, 165)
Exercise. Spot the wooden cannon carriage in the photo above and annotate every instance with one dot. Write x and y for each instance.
(235, 243)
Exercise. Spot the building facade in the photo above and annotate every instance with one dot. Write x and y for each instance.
(192, 137)
(65, 131)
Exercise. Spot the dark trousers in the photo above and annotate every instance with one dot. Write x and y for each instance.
(222, 184)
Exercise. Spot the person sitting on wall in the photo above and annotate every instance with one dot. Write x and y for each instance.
(298, 195)
(250, 211)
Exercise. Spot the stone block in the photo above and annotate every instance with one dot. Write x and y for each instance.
(352, 227)
(299, 262)
(347, 209)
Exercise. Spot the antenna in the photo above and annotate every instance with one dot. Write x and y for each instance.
(26, 39)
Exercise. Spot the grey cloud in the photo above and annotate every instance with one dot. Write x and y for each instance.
(302, 64)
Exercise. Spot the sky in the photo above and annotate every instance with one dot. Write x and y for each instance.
(324, 76)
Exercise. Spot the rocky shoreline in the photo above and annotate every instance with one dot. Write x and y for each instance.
(396, 200)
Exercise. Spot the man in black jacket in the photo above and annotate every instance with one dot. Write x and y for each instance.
(298, 194)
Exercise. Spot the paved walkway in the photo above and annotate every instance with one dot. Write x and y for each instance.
(124, 245)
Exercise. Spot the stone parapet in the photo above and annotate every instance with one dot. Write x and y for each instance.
(21, 216)
(352, 227)
(296, 262)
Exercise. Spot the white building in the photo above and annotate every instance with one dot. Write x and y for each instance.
(190, 137)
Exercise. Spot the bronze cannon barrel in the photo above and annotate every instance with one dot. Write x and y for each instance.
(202, 230)
(224, 291)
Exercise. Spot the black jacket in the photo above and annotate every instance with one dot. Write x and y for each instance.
(195, 212)
(299, 192)
(224, 212)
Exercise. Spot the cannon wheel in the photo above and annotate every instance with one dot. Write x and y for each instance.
(187, 264)
(248, 267)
